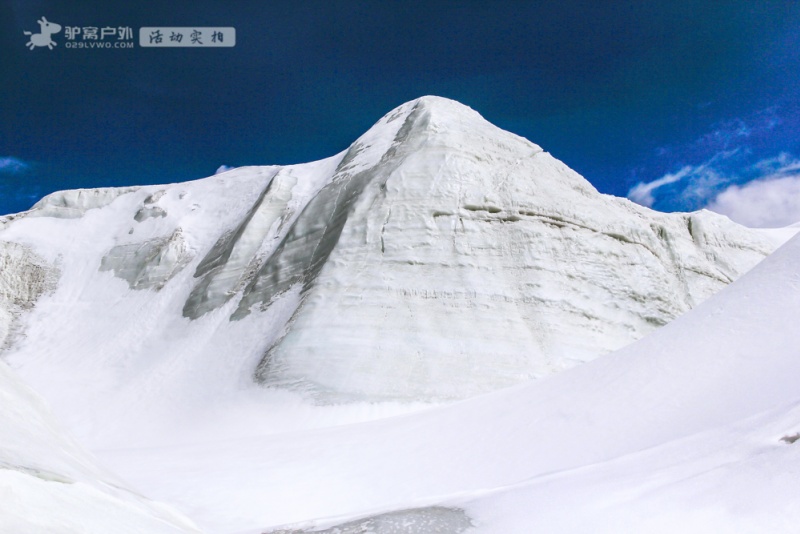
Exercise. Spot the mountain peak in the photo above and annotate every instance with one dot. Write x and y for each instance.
(441, 114)
(438, 257)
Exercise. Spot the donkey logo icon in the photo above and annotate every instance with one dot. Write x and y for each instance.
(43, 37)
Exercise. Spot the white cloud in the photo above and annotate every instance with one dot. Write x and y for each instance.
(771, 201)
(765, 194)
(12, 165)
(224, 168)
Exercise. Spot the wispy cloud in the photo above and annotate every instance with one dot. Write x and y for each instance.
(12, 165)
(732, 132)
(764, 194)
(781, 165)
(642, 193)
(725, 134)
(696, 182)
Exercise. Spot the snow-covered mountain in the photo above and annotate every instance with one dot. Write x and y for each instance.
(438, 257)
(220, 343)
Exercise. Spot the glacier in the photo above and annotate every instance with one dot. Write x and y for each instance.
(440, 322)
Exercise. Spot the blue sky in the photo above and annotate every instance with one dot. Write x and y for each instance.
(679, 105)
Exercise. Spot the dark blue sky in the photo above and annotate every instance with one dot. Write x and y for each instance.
(699, 95)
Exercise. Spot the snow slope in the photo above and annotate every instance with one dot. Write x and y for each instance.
(679, 432)
(49, 485)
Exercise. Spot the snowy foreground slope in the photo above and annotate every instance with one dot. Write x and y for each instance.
(220, 344)
(48, 484)
(687, 430)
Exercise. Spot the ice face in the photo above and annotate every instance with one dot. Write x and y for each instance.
(313, 237)
(149, 264)
(224, 269)
(432, 520)
(438, 258)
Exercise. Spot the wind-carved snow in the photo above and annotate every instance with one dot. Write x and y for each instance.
(24, 277)
(432, 520)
